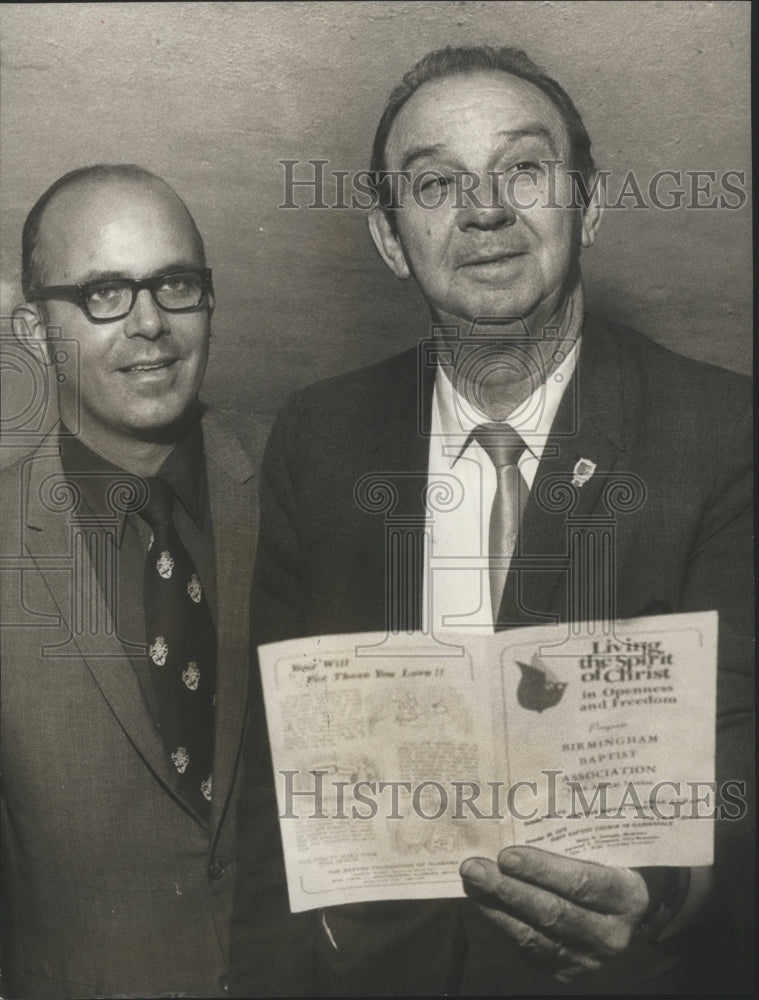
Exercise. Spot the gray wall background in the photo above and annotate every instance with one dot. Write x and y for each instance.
(212, 95)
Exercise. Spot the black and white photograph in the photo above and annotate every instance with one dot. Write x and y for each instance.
(376, 530)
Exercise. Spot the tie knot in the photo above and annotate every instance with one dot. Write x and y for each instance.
(501, 442)
(160, 503)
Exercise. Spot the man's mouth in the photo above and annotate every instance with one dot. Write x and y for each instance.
(491, 258)
(148, 366)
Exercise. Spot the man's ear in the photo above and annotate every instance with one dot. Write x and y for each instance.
(387, 243)
(30, 330)
(591, 217)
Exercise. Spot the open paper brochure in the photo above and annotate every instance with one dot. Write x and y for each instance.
(398, 756)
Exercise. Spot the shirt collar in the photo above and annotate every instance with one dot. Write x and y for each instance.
(184, 470)
(533, 418)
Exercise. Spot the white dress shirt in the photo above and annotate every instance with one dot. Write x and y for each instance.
(461, 479)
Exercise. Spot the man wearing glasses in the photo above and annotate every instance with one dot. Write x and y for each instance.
(127, 553)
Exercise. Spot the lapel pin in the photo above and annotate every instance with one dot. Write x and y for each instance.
(582, 472)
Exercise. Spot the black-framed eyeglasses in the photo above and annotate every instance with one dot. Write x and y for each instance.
(113, 298)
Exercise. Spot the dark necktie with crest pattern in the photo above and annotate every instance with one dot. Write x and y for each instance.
(181, 641)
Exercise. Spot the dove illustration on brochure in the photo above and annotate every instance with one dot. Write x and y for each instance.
(397, 755)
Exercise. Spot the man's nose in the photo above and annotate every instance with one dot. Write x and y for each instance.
(146, 319)
(486, 208)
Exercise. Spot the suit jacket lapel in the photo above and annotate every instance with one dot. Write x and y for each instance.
(234, 516)
(589, 425)
(49, 540)
(401, 459)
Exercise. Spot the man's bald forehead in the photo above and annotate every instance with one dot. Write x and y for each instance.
(87, 189)
(90, 194)
(74, 198)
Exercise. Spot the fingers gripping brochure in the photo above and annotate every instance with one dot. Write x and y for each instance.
(398, 756)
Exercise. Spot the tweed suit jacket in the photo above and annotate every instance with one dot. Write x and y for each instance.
(672, 432)
(112, 885)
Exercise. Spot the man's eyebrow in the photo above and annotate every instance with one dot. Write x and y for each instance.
(530, 131)
(94, 274)
(420, 153)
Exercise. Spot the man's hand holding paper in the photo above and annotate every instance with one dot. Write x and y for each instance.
(573, 914)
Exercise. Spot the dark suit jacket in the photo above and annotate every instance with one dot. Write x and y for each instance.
(669, 438)
(111, 885)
